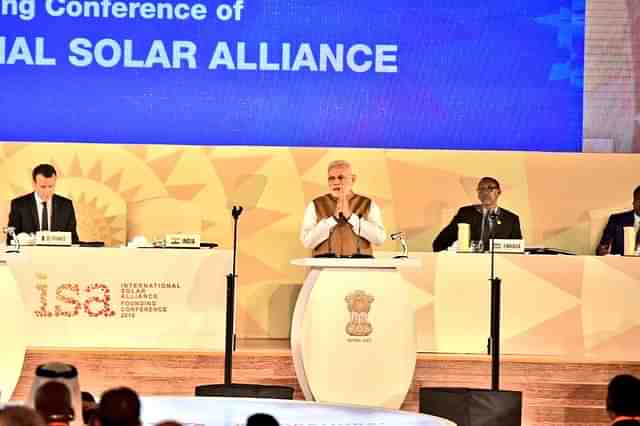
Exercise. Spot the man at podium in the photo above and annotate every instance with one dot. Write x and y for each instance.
(42, 210)
(342, 223)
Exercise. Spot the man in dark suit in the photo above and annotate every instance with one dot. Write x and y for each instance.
(612, 241)
(485, 219)
(42, 209)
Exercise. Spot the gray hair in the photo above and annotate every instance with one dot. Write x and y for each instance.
(338, 163)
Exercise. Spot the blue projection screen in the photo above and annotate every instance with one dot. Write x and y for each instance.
(450, 74)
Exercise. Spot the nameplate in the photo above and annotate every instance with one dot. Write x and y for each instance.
(53, 238)
(182, 241)
(508, 246)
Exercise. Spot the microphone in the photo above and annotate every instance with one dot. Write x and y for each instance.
(400, 236)
(236, 211)
(495, 217)
(357, 254)
(15, 247)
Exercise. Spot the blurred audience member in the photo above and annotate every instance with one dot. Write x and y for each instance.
(89, 407)
(53, 402)
(119, 407)
(623, 400)
(261, 419)
(58, 372)
(20, 416)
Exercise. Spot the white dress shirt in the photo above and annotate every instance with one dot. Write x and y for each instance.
(314, 232)
(39, 202)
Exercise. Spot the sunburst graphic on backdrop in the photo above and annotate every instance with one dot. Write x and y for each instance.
(99, 201)
(95, 225)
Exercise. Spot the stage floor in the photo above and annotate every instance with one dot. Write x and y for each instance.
(555, 391)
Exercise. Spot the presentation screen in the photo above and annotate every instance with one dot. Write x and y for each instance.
(436, 74)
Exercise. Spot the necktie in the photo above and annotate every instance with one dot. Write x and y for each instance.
(44, 223)
(485, 231)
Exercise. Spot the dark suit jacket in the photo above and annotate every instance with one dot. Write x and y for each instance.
(507, 226)
(24, 215)
(614, 231)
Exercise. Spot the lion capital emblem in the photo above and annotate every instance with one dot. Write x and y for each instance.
(359, 305)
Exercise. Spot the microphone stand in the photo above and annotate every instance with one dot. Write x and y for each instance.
(494, 339)
(230, 337)
(230, 389)
(492, 406)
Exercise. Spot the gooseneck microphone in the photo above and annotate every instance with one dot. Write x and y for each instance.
(358, 237)
(495, 217)
(13, 238)
(236, 211)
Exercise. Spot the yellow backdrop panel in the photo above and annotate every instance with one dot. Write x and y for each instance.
(123, 190)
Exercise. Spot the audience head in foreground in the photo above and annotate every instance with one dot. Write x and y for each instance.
(119, 407)
(62, 374)
(53, 403)
(20, 416)
(623, 400)
(89, 407)
(261, 419)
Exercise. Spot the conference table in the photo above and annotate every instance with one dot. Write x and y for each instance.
(134, 298)
(564, 306)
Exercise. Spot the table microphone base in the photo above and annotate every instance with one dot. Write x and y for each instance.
(238, 390)
(361, 256)
(327, 255)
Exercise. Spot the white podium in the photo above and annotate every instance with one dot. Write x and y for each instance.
(353, 336)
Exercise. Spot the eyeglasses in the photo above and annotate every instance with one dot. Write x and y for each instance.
(486, 188)
(339, 178)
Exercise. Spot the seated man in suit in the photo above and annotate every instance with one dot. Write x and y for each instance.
(342, 222)
(485, 219)
(42, 210)
(612, 241)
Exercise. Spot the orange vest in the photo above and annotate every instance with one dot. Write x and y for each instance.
(343, 239)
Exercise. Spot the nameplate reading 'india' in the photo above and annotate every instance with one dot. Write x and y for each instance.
(182, 241)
